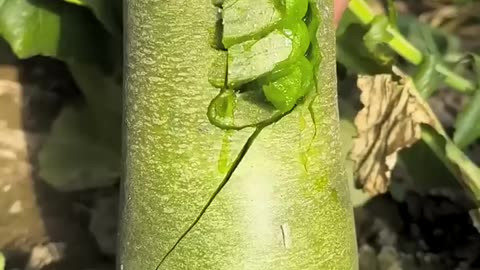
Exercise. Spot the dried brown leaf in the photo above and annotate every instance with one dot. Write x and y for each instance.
(389, 122)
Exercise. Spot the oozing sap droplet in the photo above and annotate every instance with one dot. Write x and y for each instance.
(224, 160)
(226, 108)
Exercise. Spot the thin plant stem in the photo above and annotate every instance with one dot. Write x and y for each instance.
(404, 48)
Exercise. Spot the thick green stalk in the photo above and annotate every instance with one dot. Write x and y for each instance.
(285, 204)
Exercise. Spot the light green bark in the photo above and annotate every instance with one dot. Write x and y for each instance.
(286, 205)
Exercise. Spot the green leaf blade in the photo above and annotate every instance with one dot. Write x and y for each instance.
(54, 29)
(467, 125)
(74, 156)
(109, 12)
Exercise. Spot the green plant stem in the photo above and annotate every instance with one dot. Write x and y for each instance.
(405, 49)
(455, 80)
(225, 199)
(443, 151)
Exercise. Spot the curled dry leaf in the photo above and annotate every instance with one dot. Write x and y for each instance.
(390, 121)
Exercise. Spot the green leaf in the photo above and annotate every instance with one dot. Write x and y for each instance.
(376, 40)
(467, 127)
(352, 50)
(427, 79)
(72, 34)
(354, 55)
(74, 158)
(84, 148)
(53, 28)
(103, 95)
(109, 12)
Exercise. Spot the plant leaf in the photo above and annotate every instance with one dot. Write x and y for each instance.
(389, 122)
(109, 12)
(73, 158)
(354, 55)
(467, 127)
(72, 34)
(374, 152)
(53, 28)
(352, 51)
(427, 79)
(103, 95)
(84, 148)
(376, 40)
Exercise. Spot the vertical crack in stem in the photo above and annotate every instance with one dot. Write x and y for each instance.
(220, 187)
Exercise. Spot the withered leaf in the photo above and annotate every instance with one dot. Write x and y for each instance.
(390, 121)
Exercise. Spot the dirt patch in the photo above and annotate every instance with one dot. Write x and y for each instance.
(40, 228)
(422, 232)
